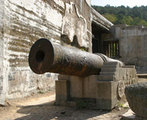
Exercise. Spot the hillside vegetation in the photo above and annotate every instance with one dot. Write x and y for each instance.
(124, 15)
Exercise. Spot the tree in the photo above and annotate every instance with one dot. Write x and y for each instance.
(110, 17)
(124, 15)
(126, 20)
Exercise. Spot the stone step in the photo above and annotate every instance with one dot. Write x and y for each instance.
(108, 69)
(106, 77)
(110, 66)
(107, 73)
(111, 63)
(142, 75)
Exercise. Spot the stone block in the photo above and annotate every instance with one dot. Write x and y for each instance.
(61, 92)
(106, 94)
(83, 87)
(136, 95)
(76, 87)
(90, 84)
(106, 77)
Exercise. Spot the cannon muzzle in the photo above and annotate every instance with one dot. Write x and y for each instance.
(46, 56)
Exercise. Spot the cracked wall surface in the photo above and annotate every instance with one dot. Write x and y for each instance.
(3, 84)
(22, 23)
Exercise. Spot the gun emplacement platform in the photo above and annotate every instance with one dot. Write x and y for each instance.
(94, 79)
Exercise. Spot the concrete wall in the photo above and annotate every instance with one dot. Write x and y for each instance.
(88, 1)
(2, 82)
(133, 45)
(21, 24)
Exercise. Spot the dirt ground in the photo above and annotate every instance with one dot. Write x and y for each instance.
(41, 107)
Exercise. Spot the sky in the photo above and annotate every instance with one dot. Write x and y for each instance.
(130, 3)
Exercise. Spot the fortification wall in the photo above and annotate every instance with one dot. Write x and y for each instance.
(2, 82)
(21, 24)
(133, 45)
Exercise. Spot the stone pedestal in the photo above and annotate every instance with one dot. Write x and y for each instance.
(97, 91)
(106, 97)
(61, 91)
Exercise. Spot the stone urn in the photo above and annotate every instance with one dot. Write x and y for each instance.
(136, 95)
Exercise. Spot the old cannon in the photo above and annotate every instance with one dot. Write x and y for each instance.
(94, 78)
(46, 56)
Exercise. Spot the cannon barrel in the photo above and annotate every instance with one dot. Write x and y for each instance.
(46, 56)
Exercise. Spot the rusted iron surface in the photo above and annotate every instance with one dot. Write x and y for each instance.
(46, 56)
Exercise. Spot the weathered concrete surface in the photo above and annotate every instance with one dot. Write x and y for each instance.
(23, 23)
(100, 20)
(133, 42)
(136, 95)
(88, 2)
(3, 84)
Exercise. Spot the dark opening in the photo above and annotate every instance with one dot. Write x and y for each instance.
(40, 56)
(96, 48)
(104, 42)
(112, 48)
(97, 42)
